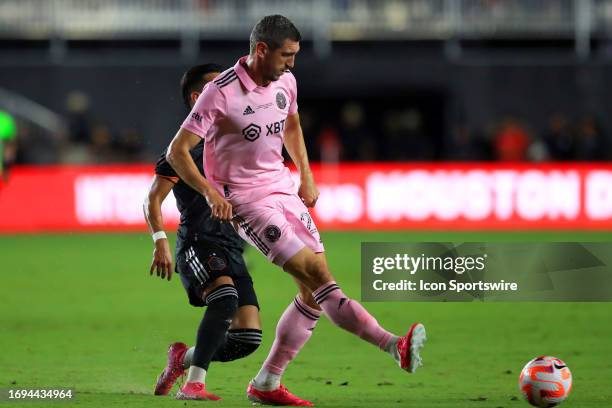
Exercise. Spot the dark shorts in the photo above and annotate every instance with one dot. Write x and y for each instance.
(199, 263)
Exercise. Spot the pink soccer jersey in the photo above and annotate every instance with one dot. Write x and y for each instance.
(243, 127)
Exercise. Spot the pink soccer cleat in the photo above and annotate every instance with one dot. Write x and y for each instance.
(173, 370)
(279, 396)
(195, 391)
(410, 346)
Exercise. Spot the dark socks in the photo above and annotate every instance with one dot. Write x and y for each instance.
(222, 305)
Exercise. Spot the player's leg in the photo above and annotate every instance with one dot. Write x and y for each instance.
(281, 228)
(193, 283)
(242, 338)
(222, 305)
(293, 330)
(311, 269)
(222, 300)
(309, 266)
(214, 287)
(244, 334)
(265, 226)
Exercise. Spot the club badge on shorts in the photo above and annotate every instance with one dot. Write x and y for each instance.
(216, 263)
(272, 233)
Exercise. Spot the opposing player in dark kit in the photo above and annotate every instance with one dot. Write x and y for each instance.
(211, 267)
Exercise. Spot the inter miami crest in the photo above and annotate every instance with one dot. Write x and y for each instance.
(251, 132)
(281, 101)
(272, 233)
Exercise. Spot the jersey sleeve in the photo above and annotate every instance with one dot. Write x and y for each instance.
(293, 106)
(163, 169)
(209, 107)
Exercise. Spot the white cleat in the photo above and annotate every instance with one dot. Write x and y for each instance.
(409, 348)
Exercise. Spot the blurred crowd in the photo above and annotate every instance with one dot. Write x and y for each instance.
(355, 134)
(562, 139)
(83, 139)
(352, 132)
(91, 140)
(94, 141)
(403, 136)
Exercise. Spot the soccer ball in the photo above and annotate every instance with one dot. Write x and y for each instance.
(545, 381)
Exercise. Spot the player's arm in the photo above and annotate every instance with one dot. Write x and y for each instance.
(294, 143)
(209, 107)
(181, 161)
(162, 256)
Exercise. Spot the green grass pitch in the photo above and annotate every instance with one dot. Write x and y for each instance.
(82, 311)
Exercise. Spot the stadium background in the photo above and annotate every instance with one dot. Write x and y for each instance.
(440, 120)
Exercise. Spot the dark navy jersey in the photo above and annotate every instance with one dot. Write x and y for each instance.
(196, 223)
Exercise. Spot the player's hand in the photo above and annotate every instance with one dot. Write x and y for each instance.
(220, 209)
(308, 192)
(162, 259)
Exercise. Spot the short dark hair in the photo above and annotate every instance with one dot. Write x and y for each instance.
(193, 80)
(274, 30)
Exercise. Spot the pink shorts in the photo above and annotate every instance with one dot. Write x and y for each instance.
(279, 225)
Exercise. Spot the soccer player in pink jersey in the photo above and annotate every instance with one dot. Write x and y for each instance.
(245, 117)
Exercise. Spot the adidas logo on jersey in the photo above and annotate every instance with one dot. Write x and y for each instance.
(248, 111)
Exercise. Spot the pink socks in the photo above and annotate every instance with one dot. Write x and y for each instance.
(292, 332)
(298, 321)
(350, 315)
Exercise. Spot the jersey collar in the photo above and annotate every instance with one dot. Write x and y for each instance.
(246, 80)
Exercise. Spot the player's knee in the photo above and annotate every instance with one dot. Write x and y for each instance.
(249, 339)
(247, 349)
(309, 269)
(224, 300)
(240, 343)
(221, 280)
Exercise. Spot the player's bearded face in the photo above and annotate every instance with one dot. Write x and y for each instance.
(281, 59)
